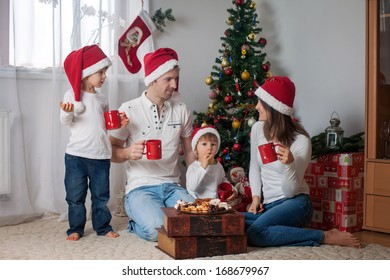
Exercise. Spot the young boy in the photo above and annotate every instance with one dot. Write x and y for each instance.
(88, 153)
(205, 174)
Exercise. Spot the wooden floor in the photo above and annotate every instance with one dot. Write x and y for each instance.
(366, 236)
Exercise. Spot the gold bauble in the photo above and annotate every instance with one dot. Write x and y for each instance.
(236, 124)
(245, 75)
(229, 21)
(209, 81)
(252, 36)
(225, 63)
(268, 75)
(252, 5)
(243, 52)
(204, 124)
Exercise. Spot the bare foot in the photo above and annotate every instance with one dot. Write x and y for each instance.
(336, 237)
(112, 234)
(73, 236)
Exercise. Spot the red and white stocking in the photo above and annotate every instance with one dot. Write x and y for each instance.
(141, 28)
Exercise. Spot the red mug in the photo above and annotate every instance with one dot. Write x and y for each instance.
(113, 119)
(225, 190)
(153, 149)
(268, 153)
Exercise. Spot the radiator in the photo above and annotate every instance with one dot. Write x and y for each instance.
(5, 187)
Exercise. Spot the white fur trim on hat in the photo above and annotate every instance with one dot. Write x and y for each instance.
(105, 62)
(273, 102)
(201, 132)
(161, 70)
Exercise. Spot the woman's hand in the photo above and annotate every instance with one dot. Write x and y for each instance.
(256, 206)
(284, 154)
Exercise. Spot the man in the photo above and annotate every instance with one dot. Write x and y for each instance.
(152, 184)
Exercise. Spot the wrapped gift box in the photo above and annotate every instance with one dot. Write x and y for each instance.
(336, 190)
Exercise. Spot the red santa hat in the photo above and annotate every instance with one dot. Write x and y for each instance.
(83, 63)
(199, 132)
(278, 92)
(158, 63)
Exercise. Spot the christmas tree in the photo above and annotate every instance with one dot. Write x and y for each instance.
(238, 71)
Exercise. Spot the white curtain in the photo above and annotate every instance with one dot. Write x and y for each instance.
(32, 84)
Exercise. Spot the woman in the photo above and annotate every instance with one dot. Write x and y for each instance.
(281, 205)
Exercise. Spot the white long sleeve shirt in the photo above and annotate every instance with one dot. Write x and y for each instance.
(88, 137)
(277, 180)
(203, 183)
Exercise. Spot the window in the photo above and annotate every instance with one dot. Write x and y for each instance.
(42, 32)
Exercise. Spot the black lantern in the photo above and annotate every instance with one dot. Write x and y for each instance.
(334, 133)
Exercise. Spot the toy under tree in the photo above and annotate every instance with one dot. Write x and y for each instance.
(238, 71)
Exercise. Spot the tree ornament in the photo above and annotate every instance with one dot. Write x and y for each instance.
(252, 36)
(225, 63)
(204, 123)
(268, 75)
(225, 151)
(213, 94)
(245, 75)
(227, 157)
(228, 71)
(219, 159)
(238, 88)
(252, 5)
(265, 67)
(263, 41)
(228, 99)
(250, 93)
(240, 2)
(251, 121)
(236, 147)
(209, 81)
(229, 21)
(236, 124)
(228, 32)
(243, 53)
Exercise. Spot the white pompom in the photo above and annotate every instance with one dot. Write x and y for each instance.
(79, 107)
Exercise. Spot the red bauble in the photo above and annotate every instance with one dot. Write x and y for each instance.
(228, 71)
(250, 93)
(219, 159)
(213, 94)
(240, 2)
(265, 67)
(228, 99)
(237, 147)
(262, 42)
(225, 151)
(216, 120)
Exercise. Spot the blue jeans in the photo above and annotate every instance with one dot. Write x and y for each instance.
(281, 224)
(81, 174)
(143, 206)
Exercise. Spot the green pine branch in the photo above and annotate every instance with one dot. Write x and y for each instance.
(160, 16)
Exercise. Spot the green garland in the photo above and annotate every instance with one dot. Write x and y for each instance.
(354, 143)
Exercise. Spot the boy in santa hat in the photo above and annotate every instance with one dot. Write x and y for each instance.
(156, 114)
(88, 153)
(205, 174)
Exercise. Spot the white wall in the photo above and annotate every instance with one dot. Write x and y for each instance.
(319, 44)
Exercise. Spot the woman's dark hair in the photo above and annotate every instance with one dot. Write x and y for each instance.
(281, 127)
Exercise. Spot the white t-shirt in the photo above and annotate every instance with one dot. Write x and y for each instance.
(275, 179)
(175, 122)
(203, 183)
(88, 137)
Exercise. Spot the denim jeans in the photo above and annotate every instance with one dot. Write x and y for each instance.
(281, 224)
(143, 206)
(81, 174)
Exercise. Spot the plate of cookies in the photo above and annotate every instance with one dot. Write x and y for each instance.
(203, 206)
